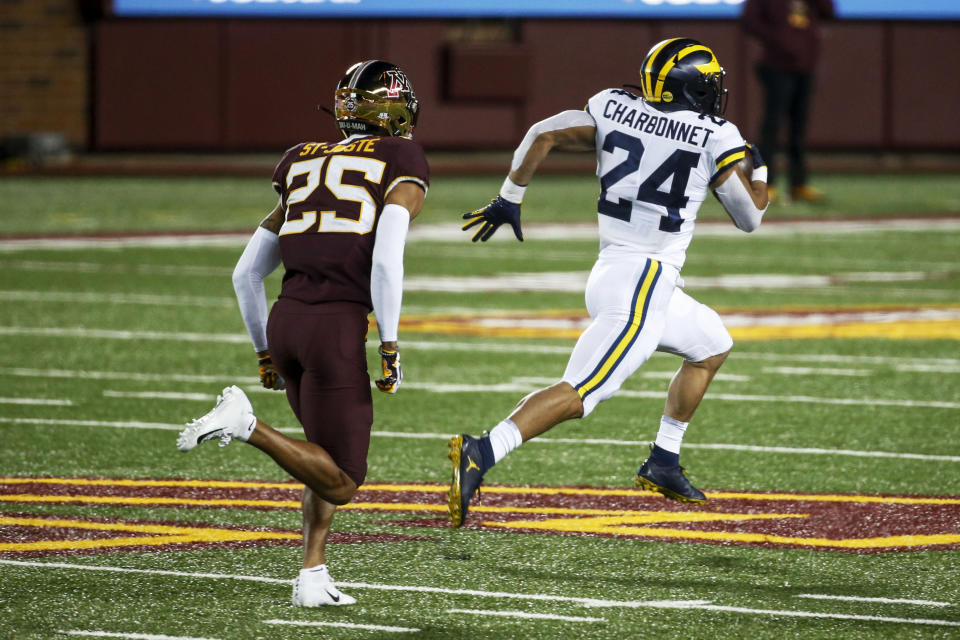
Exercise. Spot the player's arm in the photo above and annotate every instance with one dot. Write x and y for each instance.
(258, 260)
(403, 203)
(566, 131)
(744, 199)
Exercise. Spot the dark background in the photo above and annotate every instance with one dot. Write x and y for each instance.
(112, 84)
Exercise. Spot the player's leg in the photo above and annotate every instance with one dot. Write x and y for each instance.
(314, 585)
(309, 463)
(626, 326)
(317, 518)
(298, 337)
(336, 411)
(688, 386)
(542, 410)
(696, 333)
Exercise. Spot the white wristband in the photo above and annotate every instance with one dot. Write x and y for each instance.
(760, 173)
(512, 192)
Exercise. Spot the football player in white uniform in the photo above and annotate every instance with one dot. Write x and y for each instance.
(661, 148)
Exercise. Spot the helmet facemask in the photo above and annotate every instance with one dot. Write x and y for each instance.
(708, 96)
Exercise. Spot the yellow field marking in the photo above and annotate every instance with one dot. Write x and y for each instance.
(156, 535)
(732, 495)
(122, 482)
(912, 330)
(617, 526)
(439, 488)
(902, 330)
(614, 523)
(418, 506)
(152, 501)
(909, 330)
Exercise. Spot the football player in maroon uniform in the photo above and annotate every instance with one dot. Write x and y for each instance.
(339, 229)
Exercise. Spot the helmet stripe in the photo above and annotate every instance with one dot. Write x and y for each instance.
(683, 53)
(358, 73)
(647, 71)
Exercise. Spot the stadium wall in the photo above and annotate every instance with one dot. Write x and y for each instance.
(248, 84)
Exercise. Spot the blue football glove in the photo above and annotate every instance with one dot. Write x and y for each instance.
(492, 216)
(392, 373)
(755, 156)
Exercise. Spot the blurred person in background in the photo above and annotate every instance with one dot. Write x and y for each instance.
(789, 32)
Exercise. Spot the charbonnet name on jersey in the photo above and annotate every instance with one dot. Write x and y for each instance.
(663, 126)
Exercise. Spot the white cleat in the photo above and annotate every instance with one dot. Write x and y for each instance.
(314, 587)
(231, 418)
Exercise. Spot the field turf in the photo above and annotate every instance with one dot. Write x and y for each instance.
(829, 445)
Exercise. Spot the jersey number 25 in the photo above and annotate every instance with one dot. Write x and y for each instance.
(330, 222)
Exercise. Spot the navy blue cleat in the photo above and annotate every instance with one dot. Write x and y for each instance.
(669, 480)
(470, 462)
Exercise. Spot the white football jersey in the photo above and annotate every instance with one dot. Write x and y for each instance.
(655, 168)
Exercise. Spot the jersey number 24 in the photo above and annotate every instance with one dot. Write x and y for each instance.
(677, 166)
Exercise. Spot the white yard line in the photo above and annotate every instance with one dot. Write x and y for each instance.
(520, 386)
(926, 603)
(344, 625)
(159, 395)
(527, 615)
(106, 267)
(576, 281)
(130, 636)
(533, 231)
(118, 424)
(908, 364)
(863, 402)
(817, 371)
(938, 365)
(697, 605)
(122, 334)
(155, 241)
(118, 298)
(833, 616)
(80, 374)
(37, 401)
(591, 602)
(542, 440)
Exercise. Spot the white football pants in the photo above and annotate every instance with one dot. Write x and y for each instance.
(636, 309)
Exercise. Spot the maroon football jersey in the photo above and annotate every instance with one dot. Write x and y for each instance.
(332, 193)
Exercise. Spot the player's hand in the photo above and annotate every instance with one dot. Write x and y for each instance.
(755, 156)
(392, 373)
(270, 378)
(492, 216)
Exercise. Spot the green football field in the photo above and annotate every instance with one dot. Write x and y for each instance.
(828, 445)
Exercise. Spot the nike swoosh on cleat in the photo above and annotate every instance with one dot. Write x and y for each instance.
(335, 598)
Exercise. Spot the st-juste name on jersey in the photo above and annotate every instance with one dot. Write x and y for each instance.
(655, 168)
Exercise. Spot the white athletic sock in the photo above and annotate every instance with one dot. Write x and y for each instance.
(504, 438)
(670, 435)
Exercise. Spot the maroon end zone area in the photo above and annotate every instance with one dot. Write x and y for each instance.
(850, 523)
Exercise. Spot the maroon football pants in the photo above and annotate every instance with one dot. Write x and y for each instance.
(320, 351)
